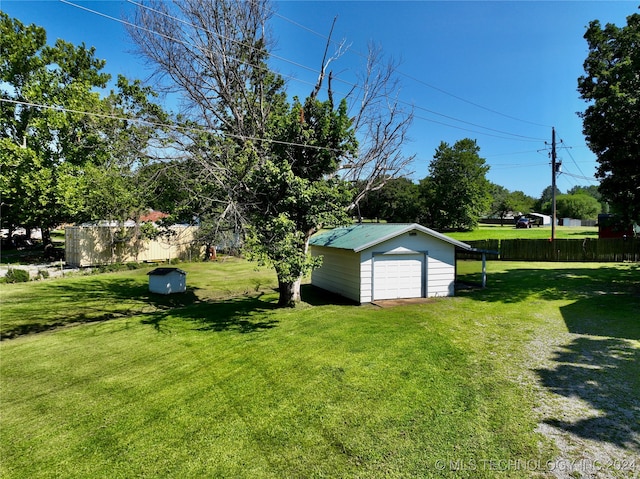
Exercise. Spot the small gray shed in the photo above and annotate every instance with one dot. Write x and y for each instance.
(167, 280)
(370, 261)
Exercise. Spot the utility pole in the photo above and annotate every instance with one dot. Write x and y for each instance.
(553, 183)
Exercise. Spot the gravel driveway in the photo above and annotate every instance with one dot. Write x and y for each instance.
(586, 406)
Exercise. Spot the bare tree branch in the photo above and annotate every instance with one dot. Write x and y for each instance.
(382, 127)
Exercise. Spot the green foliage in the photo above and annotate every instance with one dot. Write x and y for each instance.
(59, 164)
(611, 122)
(505, 201)
(456, 192)
(592, 191)
(296, 191)
(543, 204)
(398, 201)
(36, 141)
(266, 168)
(15, 275)
(577, 206)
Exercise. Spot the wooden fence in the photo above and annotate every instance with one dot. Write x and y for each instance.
(94, 245)
(587, 249)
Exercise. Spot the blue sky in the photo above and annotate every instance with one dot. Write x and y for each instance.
(502, 73)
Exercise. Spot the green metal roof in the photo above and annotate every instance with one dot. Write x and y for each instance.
(364, 235)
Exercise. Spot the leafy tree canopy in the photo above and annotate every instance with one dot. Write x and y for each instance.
(398, 201)
(264, 166)
(456, 191)
(37, 141)
(578, 206)
(611, 122)
(60, 163)
(505, 201)
(543, 204)
(592, 191)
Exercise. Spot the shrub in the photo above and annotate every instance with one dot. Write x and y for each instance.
(115, 267)
(17, 276)
(43, 274)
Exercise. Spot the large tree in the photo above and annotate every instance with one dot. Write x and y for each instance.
(266, 167)
(70, 151)
(40, 146)
(543, 204)
(579, 206)
(504, 202)
(594, 192)
(398, 201)
(456, 191)
(611, 122)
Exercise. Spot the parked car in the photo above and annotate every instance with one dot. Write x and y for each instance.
(524, 223)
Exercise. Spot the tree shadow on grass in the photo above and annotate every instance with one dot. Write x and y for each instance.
(58, 304)
(605, 374)
(319, 297)
(604, 301)
(608, 315)
(246, 314)
(517, 285)
(601, 364)
(99, 299)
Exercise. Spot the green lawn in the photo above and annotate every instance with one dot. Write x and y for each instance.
(484, 232)
(219, 383)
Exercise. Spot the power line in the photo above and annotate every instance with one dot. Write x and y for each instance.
(475, 131)
(418, 80)
(513, 153)
(500, 166)
(566, 178)
(177, 40)
(277, 57)
(568, 148)
(164, 125)
(586, 178)
(353, 85)
(477, 105)
(527, 138)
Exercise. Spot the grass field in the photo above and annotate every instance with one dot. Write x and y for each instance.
(484, 232)
(219, 383)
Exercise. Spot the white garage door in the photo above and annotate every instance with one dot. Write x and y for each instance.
(398, 276)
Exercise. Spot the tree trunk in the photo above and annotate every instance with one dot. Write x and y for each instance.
(46, 236)
(289, 293)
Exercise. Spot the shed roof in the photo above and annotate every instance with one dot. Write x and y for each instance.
(361, 236)
(165, 271)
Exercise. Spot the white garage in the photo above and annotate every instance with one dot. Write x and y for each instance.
(369, 262)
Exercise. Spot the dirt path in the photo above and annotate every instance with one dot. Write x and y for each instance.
(586, 405)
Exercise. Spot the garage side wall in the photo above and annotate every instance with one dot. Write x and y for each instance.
(441, 270)
(339, 273)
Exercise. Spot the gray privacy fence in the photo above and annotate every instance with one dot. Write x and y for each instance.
(586, 249)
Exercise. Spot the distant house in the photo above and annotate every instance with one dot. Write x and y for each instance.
(369, 262)
(153, 216)
(610, 227)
